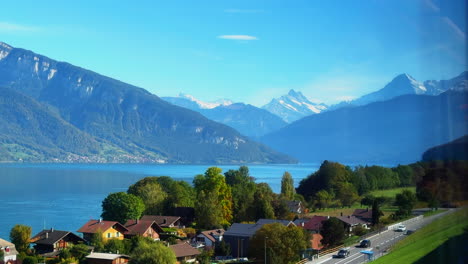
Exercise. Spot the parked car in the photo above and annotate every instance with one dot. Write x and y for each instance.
(343, 253)
(401, 228)
(365, 243)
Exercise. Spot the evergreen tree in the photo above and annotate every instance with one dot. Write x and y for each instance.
(287, 186)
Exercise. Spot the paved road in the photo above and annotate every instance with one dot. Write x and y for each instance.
(380, 244)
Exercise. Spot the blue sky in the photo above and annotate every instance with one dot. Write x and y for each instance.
(249, 51)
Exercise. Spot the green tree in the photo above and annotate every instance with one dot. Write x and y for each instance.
(97, 241)
(30, 260)
(329, 175)
(213, 182)
(20, 235)
(243, 190)
(285, 243)
(405, 174)
(346, 193)
(208, 211)
(376, 212)
(117, 246)
(333, 232)
(287, 186)
(323, 199)
(151, 193)
(152, 253)
(121, 207)
(79, 252)
(2, 254)
(263, 199)
(405, 201)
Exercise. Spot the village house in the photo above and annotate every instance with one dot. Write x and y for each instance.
(209, 238)
(364, 214)
(185, 252)
(109, 229)
(105, 258)
(351, 222)
(51, 241)
(9, 251)
(295, 207)
(142, 228)
(164, 221)
(312, 225)
(238, 235)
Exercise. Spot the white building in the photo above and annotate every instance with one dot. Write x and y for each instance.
(9, 251)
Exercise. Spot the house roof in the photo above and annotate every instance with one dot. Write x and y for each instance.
(51, 236)
(184, 250)
(11, 246)
(162, 220)
(139, 227)
(94, 226)
(363, 213)
(209, 233)
(351, 220)
(293, 205)
(248, 230)
(106, 256)
(314, 223)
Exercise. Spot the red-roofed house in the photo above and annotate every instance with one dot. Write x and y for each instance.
(351, 221)
(313, 225)
(210, 237)
(163, 221)
(143, 228)
(109, 229)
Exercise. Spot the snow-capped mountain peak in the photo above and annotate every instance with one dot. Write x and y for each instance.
(293, 106)
(206, 105)
(5, 49)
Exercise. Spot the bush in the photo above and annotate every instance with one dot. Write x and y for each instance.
(30, 260)
(359, 231)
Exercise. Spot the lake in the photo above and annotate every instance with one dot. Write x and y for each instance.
(65, 196)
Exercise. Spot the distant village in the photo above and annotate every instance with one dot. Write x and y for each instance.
(232, 220)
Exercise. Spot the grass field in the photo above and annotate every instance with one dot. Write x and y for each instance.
(442, 241)
(392, 192)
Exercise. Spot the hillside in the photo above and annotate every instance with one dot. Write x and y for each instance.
(247, 119)
(442, 241)
(391, 132)
(128, 117)
(455, 150)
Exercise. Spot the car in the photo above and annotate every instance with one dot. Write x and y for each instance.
(409, 232)
(401, 228)
(365, 243)
(343, 253)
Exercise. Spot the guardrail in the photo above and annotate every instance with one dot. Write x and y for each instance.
(328, 251)
(303, 261)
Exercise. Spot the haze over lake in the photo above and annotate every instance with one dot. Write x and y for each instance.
(65, 196)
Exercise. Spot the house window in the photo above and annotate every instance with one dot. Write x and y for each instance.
(117, 234)
(108, 235)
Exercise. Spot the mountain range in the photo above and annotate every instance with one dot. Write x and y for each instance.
(96, 117)
(245, 118)
(293, 106)
(393, 131)
(405, 84)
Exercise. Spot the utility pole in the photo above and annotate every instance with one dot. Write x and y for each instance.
(265, 249)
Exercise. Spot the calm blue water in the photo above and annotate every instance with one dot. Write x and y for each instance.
(65, 196)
